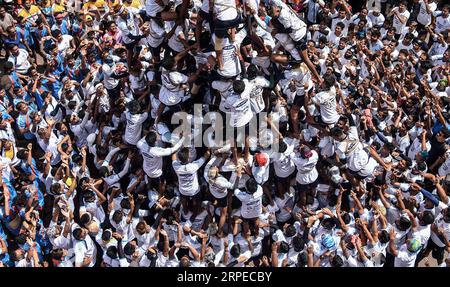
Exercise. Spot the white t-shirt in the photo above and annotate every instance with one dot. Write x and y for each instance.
(230, 59)
(251, 203)
(64, 44)
(442, 23)
(440, 223)
(187, 176)
(85, 248)
(133, 129)
(225, 10)
(171, 92)
(396, 22)
(282, 162)
(328, 104)
(306, 168)
(240, 107)
(153, 157)
(405, 258)
(424, 18)
(256, 91)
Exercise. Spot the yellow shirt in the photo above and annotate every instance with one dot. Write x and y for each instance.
(58, 8)
(135, 4)
(97, 3)
(9, 153)
(31, 15)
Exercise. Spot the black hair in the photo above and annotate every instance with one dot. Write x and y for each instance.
(168, 63)
(282, 146)
(77, 233)
(150, 138)
(183, 155)
(85, 218)
(106, 235)
(337, 261)
(384, 236)
(427, 217)
(238, 86)
(129, 249)
(290, 231)
(235, 250)
(112, 252)
(298, 243)
(284, 247)
(251, 185)
(404, 223)
(329, 223)
(252, 72)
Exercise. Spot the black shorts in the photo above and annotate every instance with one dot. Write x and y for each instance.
(301, 44)
(222, 202)
(305, 187)
(436, 251)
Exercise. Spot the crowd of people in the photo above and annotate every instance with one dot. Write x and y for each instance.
(349, 165)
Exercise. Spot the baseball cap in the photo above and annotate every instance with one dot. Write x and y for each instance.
(89, 18)
(261, 159)
(413, 245)
(328, 242)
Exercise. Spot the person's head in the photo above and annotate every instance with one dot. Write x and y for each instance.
(58, 254)
(442, 135)
(339, 28)
(305, 152)
(337, 133)
(337, 261)
(79, 233)
(85, 219)
(328, 223)
(425, 218)
(213, 172)
(261, 159)
(238, 86)
(402, 6)
(27, 4)
(141, 227)
(185, 262)
(130, 248)
(413, 245)
(252, 71)
(384, 236)
(8, 67)
(151, 138)
(342, 14)
(168, 63)
(445, 10)
(14, 50)
(134, 107)
(183, 155)
(298, 243)
(251, 186)
(328, 82)
(403, 223)
(276, 11)
(235, 250)
(117, 216)
(57, 34)
(111, 252)
(2, 11)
